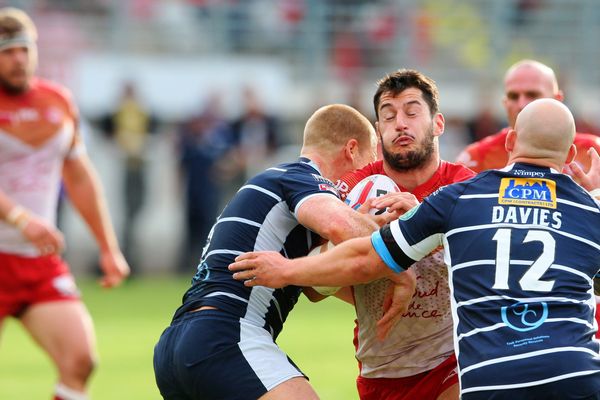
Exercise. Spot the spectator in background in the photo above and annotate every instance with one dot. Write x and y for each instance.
(524, 82)
(256, 138)
(129, 126)
(202, 142)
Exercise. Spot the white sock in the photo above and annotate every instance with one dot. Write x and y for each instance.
(66, 393)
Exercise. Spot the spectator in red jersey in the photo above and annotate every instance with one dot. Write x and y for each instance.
(40, 146)
(525, 81)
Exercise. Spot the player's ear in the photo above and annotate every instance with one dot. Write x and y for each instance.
(438, 124)
(511, 138)
(571, 154)
(351, 149)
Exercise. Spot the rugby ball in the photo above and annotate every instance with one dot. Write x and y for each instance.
(324, 290)
(370, 187)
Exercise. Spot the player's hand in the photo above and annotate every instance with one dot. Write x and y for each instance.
(591, 179)
(44, 236)
(397, 299)
(263, 268)
(395, 202)
(114, 268)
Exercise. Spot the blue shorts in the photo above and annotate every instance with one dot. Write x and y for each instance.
(211, 354)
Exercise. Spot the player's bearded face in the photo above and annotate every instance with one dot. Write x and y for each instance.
(16, 69)
(413, 158)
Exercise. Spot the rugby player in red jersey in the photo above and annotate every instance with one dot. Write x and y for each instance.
(525, 81)
(416, 358)
(40, 145)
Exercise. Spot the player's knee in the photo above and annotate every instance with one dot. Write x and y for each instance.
(78, 366)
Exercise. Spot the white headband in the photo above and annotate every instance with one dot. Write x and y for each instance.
(16, 41)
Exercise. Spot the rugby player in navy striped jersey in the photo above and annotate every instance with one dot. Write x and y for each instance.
(522, 247)
(221, 343)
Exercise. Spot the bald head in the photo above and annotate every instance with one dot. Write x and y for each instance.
(332, 126)
(526, 81)
(545, 130)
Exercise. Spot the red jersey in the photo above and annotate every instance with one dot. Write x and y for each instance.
(38, 131)
(446, 174)
(489, 152)
(422, 338)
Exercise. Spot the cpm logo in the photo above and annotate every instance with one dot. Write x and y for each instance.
(527, 192)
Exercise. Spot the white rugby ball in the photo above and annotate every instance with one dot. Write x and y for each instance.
(370, 187)
(324, 290)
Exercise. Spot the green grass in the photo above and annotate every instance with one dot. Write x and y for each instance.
(129, 320)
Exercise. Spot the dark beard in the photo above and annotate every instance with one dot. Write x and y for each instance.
(414, 159)
(13, 90)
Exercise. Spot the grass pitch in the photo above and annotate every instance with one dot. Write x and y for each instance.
(129, 320)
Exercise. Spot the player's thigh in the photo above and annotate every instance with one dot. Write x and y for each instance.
(451, 393)
(293, 389)
(61, 328)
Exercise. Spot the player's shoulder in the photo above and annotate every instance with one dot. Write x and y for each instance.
(452, 172)
(586, 140)
(51, 88)
(53, 92)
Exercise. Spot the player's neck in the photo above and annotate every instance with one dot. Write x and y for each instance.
(412, 178)
(541, 162)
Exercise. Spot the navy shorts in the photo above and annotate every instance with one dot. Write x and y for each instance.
(210, 354)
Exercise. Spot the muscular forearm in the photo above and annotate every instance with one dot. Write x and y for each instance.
(352, 262)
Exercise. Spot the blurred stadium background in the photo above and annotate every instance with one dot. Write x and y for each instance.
(193, 69)
(190, 59)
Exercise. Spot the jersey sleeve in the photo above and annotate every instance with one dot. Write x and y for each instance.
(417, 233)
(299, 186)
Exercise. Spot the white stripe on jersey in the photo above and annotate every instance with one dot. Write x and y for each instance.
(520, 299)
(522, 226)
(277, 169)
(520, 262)
(324, 193)
(223, 251)
(528, 355)
(478, 196)
(582, 206)
(260, 189)
(240, 220)
(418, 250)
(527, 384)
(502, 325)
(276, 226)
(231, 295)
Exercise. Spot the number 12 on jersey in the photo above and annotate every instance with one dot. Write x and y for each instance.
(531, 279)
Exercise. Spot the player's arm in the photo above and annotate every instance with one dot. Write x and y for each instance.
(352, 262)
(333, 220)
(597, 284)
(41, 233)
(85, 192)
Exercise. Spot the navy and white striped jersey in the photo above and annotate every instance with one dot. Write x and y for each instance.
(261, 216)
(522, 245)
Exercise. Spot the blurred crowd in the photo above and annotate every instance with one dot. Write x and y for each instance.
(334, 51)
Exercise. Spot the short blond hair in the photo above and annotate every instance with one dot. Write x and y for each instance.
(333, 125)
(15, 23)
